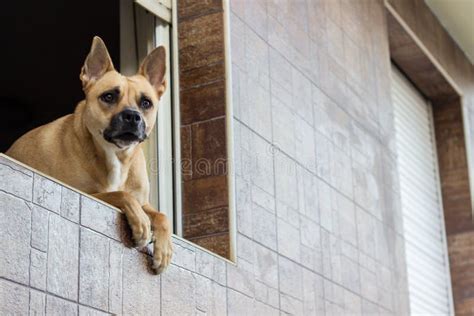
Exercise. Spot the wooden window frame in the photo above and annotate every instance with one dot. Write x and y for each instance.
(426, 73)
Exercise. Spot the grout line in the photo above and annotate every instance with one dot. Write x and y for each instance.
(195, 16)
(16, 170)
(305, 168)
(79, 252)
(109, 269)
(50, 294)
(274, 180)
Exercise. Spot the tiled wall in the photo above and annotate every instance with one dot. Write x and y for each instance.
(318, 216)
(62, 253)
(317, 189)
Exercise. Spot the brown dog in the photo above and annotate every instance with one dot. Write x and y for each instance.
(98, 148)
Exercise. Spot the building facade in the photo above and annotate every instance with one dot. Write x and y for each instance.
(317, 197)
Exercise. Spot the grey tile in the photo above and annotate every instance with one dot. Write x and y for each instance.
(290, 277)
(241, 277)
(266, 267)
(94, 267)
(285, 180)
(312, 259)
(263, 199)
(347, 219)
(352, 303)
(366, 232)
(70, 204)
(239, 304)
(341, 175)
(243, 207)
(267, 295)
(324, 153)
(368, 282)
(284, 127)
(179, 290)
(57, 306)
(38, 269)
(264, 227)
(256, 17)
(327, 207)
(261, 168)
(256, 58)
(100, 217)
(350, 274)
(246, 249)
(280, 70)
(264, 309)
(39, 227)
(310, 234)
(256, 108)
(47, 193)
(288, 214)
(369, 308)
(141, 289)
(291, 305)
(16, 180)
(305, 144)
(63, 253)
(15, 225)
(313, 293)
(37, 303)
(326, 253)
(210, 266)
(302, 96)
(210, 297)
(115, 276)
(184, 256)
(14, 298)
(308, 194)
(87, 311)
(289, 243)
(237, 40)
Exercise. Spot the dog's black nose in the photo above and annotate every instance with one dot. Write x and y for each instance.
(131, 117)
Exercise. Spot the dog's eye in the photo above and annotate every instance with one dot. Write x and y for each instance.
(145, 103)
(108, 97)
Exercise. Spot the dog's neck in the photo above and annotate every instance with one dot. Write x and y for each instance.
(117, 162)
(113, 162)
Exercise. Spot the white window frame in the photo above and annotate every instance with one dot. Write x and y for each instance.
(169, 200)
(154, 29)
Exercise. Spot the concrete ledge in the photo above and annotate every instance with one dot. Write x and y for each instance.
(63, 252)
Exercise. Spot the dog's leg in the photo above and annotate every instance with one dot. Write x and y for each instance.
(162, 247)
(137, 219)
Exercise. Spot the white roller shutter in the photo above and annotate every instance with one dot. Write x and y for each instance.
(426, 252)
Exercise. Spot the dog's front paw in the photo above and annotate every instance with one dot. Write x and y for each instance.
(162, 253)
(162, 248)
(141, 229)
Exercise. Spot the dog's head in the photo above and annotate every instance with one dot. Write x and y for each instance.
(121, 110)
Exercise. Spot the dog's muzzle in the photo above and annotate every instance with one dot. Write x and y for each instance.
(125, 128)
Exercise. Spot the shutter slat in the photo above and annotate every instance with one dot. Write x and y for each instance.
(425, 249)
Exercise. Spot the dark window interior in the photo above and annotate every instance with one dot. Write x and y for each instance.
(43, 47)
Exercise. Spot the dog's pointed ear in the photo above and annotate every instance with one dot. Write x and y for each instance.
(153, 68)
(97, 63)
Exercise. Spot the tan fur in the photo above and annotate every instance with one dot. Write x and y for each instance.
(73, 149)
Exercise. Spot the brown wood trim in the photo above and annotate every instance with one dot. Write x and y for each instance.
(202, 75)
(413, 59)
